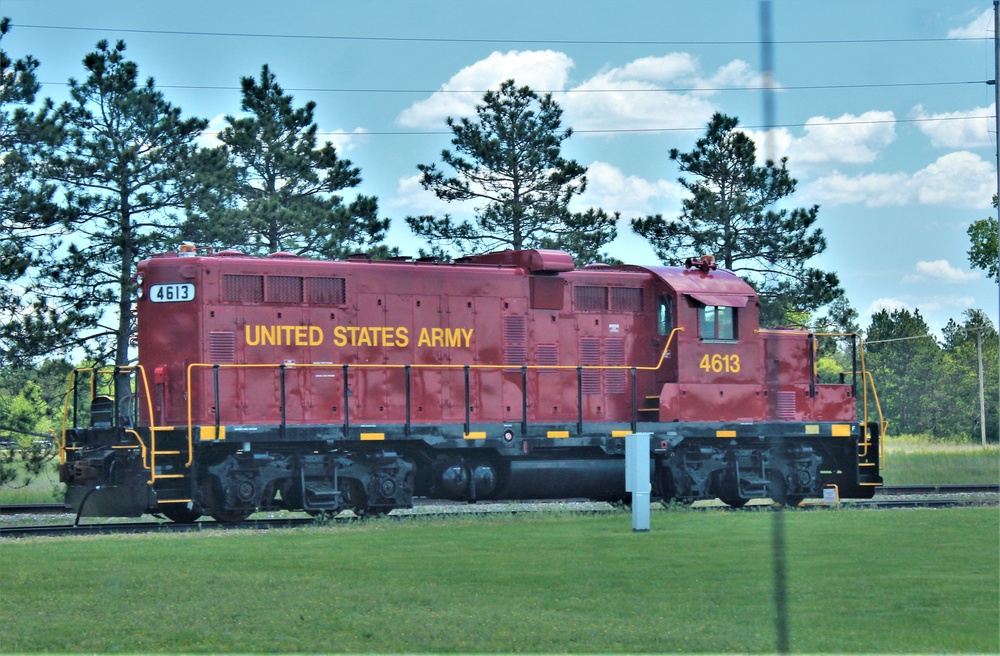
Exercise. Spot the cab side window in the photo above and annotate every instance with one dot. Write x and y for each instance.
(717, 322)
(665, 315)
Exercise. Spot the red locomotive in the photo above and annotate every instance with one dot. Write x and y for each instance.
(290, 383)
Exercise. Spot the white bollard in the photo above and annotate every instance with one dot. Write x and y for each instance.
(637, 478)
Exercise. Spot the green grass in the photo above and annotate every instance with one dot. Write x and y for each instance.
(44, 488)
(859, 581)
(911, 461)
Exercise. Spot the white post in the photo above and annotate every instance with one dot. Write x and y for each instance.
(637, 478)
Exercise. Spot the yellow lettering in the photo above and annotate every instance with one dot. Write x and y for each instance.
(315, 335)
(339, 336)
(268, 335)
(425, 339)
(255, 340)
(301, 338)
(437, 336)
(365, 339)
(467, 334)
(452, 338)
(402, 337)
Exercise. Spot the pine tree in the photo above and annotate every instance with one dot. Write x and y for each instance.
(122, 170)
(284, 196)
(509, 160)
(730, 215)
(28, 215)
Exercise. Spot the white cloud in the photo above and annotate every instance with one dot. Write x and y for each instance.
(538, 69)
(887, 304)
(611, 190)
(209, 137)
(633, 96)
(413, 199)
(847, 138)
(980, 27)
(636, 96)
(872, 189)
(939, 271)
(961, 179)
(962, 129)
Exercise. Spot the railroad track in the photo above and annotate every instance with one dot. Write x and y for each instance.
(924, 496)
(891, 490)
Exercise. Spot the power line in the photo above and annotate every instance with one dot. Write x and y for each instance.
(409, 39)
(809, 87)
(397, 133)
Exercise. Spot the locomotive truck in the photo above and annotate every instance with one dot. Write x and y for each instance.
(283, 382)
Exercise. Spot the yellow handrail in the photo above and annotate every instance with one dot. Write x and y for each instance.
(93, 386)
(202, 365)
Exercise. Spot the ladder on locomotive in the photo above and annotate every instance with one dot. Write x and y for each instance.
(165, 452)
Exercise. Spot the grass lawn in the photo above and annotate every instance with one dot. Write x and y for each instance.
(921, 462)
(858, 581)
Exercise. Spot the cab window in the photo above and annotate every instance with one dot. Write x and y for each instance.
(717, 322)
(665, 315)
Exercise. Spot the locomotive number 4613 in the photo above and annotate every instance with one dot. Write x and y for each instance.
(174, 293)
(717, 363)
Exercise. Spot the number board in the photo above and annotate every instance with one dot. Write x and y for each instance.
(175, 293)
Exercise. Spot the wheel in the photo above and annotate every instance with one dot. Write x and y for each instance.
(779, 491)
(216, 500)
(181, 513)
(729, 492)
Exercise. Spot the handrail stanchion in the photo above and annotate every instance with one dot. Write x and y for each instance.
(468, 410)
(347, 405)
(76, 399)
(115, 373)
(284, 418)
(409, 406)
(579, 400)
(218, 413)
(635, 407)
(524, 400)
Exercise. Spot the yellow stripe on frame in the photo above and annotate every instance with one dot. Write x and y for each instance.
(725, 433)
(812, 429)
(207, 433)
(621, 433)
(840, 430)
(558, 434)
(367, 437)
(477, 435)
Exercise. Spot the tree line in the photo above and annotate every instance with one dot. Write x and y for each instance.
(91, 186)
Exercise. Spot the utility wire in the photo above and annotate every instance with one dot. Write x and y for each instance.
(805, 87)
(407, 39)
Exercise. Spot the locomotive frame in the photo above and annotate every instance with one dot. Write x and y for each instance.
(288, 383)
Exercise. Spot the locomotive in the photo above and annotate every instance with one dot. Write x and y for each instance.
(284, 382)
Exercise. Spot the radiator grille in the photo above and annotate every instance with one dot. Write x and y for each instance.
(326, 291)
(514, 340)
(221, 347)
(243, 288)
(626, 299)
(284, 289)
(590, 299)
(547, 355)
(786, 405)
(590, 355)
(614, 355)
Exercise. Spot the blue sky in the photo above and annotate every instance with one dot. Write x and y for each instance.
(883, 109)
